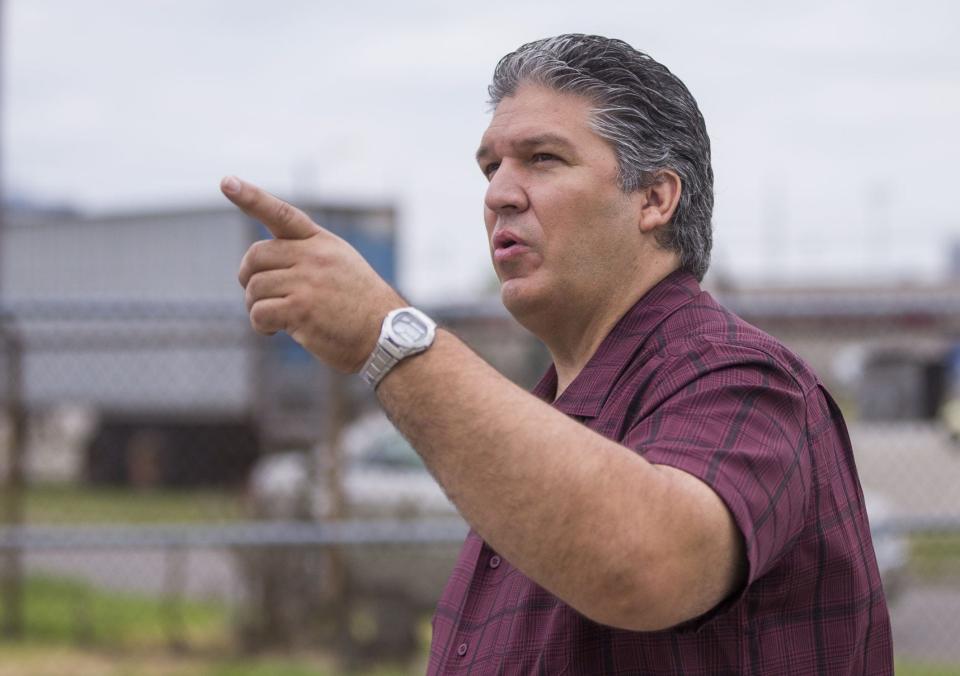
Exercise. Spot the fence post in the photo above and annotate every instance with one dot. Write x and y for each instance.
(331, 476)
(174, 581)
(11, 570)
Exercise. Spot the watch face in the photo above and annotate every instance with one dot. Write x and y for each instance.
(409, 329)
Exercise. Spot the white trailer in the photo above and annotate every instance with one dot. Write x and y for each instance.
(139, 317)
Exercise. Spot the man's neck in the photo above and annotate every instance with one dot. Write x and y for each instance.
(570, 357)
(574, 346)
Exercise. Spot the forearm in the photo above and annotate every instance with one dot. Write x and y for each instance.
(582, 516)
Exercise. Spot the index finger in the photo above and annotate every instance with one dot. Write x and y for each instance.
(282, 219)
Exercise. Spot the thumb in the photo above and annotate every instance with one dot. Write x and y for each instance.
(282, 219)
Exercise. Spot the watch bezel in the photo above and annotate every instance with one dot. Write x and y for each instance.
(408, 347)
(390, 349)
(398, 338)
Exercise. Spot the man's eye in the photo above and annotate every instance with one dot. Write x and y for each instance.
(543, 157)
(490, 168)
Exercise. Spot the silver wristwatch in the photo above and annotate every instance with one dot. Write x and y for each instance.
(405, 332)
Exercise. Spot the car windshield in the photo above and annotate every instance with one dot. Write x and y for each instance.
(391, 451)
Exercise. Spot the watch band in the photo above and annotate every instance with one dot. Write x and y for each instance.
(378, 365)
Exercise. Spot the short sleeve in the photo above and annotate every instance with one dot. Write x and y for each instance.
(740, 428)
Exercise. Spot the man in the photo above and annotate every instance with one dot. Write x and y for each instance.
(679, 496)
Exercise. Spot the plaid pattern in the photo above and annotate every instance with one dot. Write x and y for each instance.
(685, 383)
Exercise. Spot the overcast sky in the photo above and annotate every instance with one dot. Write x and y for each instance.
(834, 124)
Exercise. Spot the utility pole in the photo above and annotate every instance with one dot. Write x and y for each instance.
(3, 43)
(11, 563)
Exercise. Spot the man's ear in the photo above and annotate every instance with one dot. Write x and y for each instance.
(660, 200)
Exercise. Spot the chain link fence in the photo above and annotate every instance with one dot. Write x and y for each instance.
(174, 483)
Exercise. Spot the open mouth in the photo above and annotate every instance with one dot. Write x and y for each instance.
(504, 240)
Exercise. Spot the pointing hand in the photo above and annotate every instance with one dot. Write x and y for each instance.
(309, 282)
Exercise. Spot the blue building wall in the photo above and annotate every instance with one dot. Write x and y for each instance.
(373, 235)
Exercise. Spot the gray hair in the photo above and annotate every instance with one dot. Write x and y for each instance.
(645, 112)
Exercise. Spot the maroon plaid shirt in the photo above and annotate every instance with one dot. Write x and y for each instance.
(685, 383)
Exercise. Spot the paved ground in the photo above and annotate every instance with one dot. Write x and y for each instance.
(926, 623)
(198, 573)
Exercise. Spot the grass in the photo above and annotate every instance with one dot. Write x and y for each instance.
(76, 628)
(61, 611)
(31, 660)
(71, 627)
(935, 556)
(64, 504)
(910, 668)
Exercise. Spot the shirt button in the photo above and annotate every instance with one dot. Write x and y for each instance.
(462, 649)
(494, 561)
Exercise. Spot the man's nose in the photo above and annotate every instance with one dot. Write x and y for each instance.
(505, 191)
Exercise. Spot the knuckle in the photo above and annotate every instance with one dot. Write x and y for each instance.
(320, 256)
(285, 213)
(254, 285)
(311, 267)
(262, 317)
(248, 264)
(294, 308)
(255, 254)
(256, 316)
(299, 312)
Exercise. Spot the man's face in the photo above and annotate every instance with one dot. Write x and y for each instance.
(561, 232)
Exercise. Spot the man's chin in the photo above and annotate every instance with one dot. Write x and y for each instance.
(520, 299)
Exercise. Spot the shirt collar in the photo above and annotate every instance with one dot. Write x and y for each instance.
(585, 396)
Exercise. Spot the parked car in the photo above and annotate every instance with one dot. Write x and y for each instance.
(382, 476)
(892, 548)
(390, 587)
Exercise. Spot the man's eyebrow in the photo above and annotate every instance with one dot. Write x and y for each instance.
(530, 142)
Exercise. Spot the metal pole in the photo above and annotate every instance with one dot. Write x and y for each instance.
(333, 483)
(11, 563)
(174, 581)
(3, 43)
